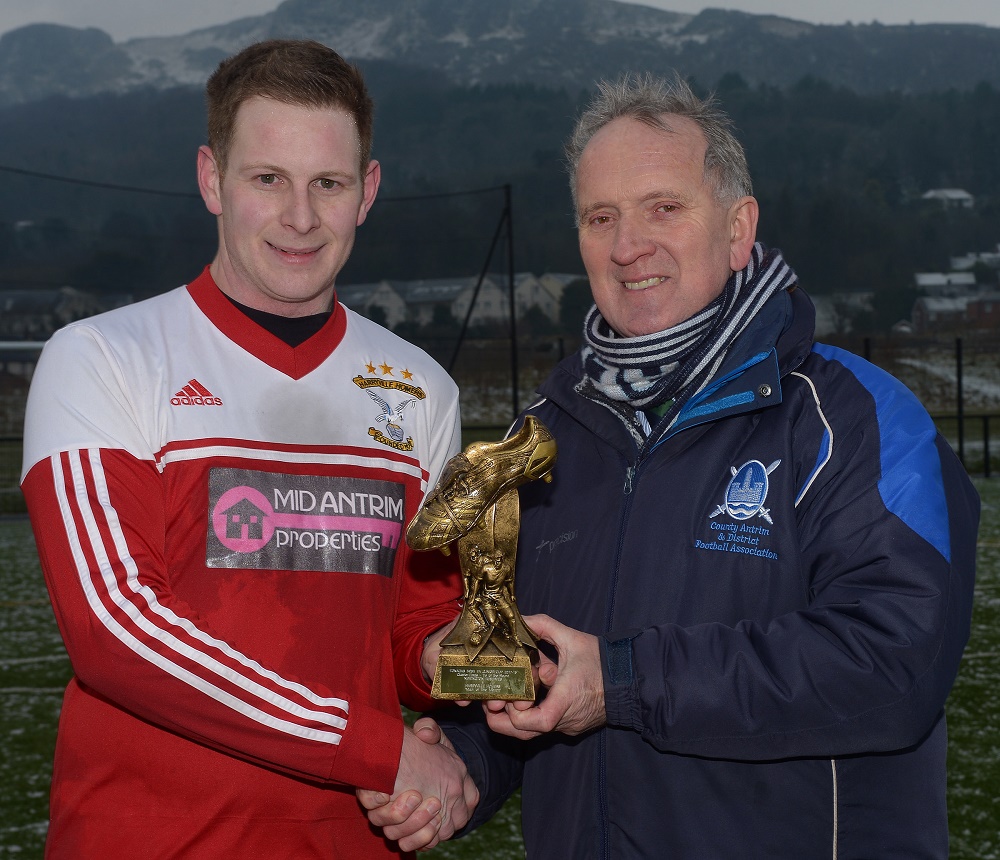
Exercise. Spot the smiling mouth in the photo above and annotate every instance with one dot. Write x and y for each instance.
(294, 252)
(643, 285)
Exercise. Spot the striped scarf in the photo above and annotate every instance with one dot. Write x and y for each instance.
(627, 374)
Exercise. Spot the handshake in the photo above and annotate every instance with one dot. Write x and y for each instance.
(434, 796)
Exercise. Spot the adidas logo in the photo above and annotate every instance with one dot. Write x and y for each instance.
(195, 394)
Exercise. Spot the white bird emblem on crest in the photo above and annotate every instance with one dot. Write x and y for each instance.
(392, 417)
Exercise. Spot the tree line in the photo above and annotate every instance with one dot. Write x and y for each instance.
(839, 176)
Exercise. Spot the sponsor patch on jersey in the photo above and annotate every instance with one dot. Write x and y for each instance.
(733, 526)
(264, 520)
(393, 398)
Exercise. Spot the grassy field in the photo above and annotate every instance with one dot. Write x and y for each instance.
(33, 670)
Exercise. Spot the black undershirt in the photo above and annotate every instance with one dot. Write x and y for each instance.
(292, 330)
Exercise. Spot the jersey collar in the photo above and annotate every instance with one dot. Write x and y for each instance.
(295, 361)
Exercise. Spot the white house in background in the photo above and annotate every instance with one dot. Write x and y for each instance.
(950, 198)
(543, 292)
(945, 283)
(363, 297)
(492, 302)
(418, 300)
(967, 261)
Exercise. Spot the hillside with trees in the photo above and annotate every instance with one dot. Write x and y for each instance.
(839, 174)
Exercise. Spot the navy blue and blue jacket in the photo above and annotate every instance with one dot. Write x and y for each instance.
(782, 588)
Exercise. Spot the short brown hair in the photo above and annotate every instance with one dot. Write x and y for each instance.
(292, 71)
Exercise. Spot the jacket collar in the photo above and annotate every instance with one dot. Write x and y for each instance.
(776, 341)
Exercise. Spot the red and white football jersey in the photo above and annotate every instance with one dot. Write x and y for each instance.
(220, 520)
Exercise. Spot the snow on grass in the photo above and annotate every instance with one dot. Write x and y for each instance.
(34, 669)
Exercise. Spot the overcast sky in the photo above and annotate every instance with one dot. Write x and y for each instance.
(124, 19)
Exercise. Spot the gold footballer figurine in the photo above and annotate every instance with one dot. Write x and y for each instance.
(475, 503)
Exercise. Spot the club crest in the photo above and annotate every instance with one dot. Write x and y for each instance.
(747, 492)
(392, 411)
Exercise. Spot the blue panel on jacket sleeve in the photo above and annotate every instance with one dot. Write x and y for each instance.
(911, 484)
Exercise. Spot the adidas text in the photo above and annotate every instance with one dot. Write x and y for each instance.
(196, 401)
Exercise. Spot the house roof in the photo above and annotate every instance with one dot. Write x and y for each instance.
(942, 279)
(947, 194)
(945, 304)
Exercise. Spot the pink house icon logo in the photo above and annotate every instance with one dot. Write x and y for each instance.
(243, 520)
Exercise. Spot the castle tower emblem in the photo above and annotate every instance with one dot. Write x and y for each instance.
(747, 491)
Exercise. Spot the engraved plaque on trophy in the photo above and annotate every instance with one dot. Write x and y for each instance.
(488, 653)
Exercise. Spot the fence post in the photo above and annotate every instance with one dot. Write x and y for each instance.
(515, 398)
(986, 446)
(961, 400)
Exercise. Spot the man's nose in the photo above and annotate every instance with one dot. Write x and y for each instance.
(632, 241)
(300, 211)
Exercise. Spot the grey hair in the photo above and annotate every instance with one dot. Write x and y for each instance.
(653, 100)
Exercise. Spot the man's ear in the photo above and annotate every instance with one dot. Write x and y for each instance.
(209, 180)
(743, 231)
(371, 180)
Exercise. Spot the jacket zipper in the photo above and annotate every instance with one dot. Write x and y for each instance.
(630, 476)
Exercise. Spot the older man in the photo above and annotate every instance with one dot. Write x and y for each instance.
(759, 550)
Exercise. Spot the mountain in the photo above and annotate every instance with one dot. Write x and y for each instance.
(549, 43)
(844, 128)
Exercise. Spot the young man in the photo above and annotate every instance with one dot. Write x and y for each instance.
(219, 498)
(764, 568)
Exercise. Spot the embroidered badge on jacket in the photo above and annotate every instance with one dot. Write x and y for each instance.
(747, 492)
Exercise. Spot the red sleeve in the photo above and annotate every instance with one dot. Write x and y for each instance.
(99, 523)
(429, 599)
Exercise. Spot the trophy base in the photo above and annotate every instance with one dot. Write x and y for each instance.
(486, 677)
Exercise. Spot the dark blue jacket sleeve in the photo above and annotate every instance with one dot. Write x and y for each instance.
(495, 762)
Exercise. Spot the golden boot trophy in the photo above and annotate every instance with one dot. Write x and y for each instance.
(475, 503)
